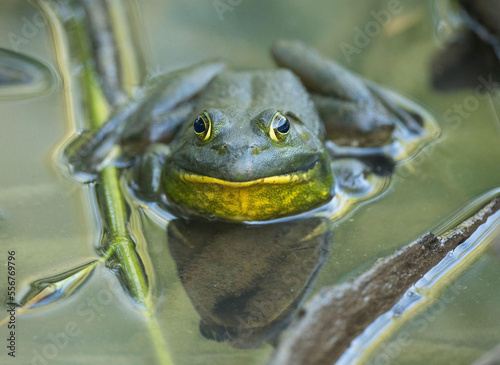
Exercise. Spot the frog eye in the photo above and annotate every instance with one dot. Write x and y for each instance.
(203, 127)
(279, 127)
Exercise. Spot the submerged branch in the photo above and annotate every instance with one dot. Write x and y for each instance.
(337, 315)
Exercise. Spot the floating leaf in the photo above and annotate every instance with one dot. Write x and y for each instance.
(51, 289)
(22, 76)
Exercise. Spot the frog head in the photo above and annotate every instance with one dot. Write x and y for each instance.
(253, 150)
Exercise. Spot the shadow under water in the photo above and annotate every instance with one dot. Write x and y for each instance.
(471, 58)
(247, 281)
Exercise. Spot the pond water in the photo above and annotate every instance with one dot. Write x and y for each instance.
(51, 222)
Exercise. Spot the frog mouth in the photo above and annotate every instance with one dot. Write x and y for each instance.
(252, 200)
(300, 176)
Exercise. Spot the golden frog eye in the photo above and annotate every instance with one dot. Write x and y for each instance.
(279, 127)
(203, 127)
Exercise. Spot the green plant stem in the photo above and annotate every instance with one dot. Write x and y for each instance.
(121, 246)
(113, 202)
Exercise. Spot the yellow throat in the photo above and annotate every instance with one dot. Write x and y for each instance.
(256, 200)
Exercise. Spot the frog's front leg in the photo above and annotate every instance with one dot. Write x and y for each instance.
(356, 113)
(155, 115)
(145, 178)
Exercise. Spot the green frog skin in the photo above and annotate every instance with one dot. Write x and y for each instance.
(247, 146)
(245, 168)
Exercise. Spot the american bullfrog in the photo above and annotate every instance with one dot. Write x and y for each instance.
(251, 145)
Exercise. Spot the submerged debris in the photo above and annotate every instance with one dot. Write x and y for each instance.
(473, 54)
(329, 322)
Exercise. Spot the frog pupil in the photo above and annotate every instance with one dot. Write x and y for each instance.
(283, 125)
(199, 125)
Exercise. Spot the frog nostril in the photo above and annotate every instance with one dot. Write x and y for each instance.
(221, 148)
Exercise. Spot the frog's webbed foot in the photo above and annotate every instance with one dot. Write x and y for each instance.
(86, 154)
(356, 112)
(154, 116)
(377, 164)
(351, 176)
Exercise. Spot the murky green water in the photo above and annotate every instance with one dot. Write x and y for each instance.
(50, 221)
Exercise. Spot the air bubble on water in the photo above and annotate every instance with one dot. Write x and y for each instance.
(397, 313)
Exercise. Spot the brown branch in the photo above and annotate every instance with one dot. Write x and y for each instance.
(334, 317)
(105, 50)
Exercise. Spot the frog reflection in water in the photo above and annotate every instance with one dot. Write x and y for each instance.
(250, 146)
(247, 281)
